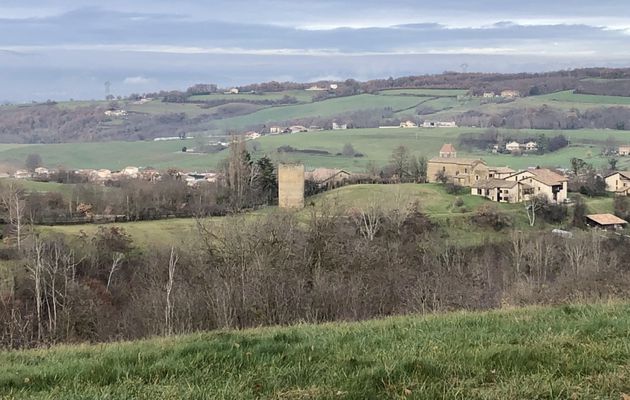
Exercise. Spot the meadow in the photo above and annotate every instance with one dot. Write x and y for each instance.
(376, 145)
(563, 352)
(430, 199)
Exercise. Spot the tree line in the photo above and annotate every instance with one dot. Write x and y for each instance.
(280, 268)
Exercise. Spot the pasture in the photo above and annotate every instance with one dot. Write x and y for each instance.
(375, 144)
(562, 352)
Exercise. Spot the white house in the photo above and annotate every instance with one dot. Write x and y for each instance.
(116, 113)
(251, 135)
(513, 146)
(439, 124)
(334, 86)
(339, 127)
(275, 130)
(488, 95)
(624, 150)
(531, 146)
(618, 182)
(408, 124)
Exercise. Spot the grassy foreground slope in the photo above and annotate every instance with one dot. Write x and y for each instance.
(570, 352)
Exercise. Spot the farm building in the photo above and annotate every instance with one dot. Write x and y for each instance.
(605, 221)
(618, 182)
(488, 95)
(408, 124)
(338, 127)
(624, 150)
(327, 176)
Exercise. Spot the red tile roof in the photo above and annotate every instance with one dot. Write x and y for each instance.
(447, 148)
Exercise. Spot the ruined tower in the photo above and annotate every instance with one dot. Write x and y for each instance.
(291, 186)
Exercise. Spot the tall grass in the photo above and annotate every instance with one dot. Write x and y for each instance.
(569, 352)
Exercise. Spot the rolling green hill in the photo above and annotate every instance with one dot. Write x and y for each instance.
(568, 352)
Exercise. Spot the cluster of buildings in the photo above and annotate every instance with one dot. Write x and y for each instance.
(516, 147)
(116, 113)
(500, 184)
(506, 94)
(101, 176)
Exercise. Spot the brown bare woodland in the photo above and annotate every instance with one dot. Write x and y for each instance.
(275, 269)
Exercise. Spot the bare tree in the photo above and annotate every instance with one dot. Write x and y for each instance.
(532, 206)
(12, 198)
(368, 219)
(168, 312)
(117, 259)
(35, 267)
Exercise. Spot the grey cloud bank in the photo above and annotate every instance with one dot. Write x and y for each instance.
(61, 51)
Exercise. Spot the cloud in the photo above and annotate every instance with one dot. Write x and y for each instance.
(137, 80)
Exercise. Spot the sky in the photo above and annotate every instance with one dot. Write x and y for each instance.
(62, 49)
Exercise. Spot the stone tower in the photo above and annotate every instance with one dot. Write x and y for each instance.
(291, 186)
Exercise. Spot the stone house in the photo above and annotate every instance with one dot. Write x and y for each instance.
(544, 182)
(618, 182)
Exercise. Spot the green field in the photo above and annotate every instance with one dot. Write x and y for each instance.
(430, 199)
(302, 96)
(567, 352)
(569, 96)
(327, 108)
(425, 92)
(375, 144)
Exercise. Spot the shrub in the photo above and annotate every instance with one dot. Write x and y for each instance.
(453, 188)
(489, 216)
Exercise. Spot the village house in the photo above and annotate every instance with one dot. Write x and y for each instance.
(42, 172)
(251, 135)
(116, 113)
(408, 124)
(545, 182)
(531, 146)
(488, 95)
(513, 147)
(22, 174)
(502, 191)
(328, 177)
(510, 94)
(297, 129)
(130, 172)
(338, 127)
(605, 221)
(500, 172)
(624, 150)
(439, 124)
(276, 130)
(315, 88)
(334, 86)
(462, 171)
(232, 91)
(618, 182)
